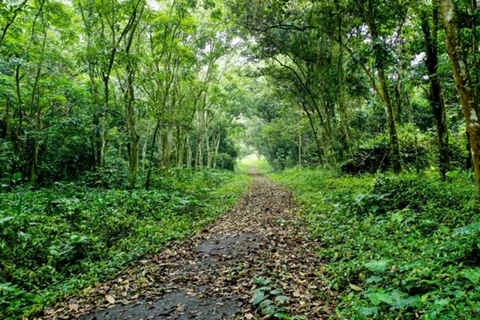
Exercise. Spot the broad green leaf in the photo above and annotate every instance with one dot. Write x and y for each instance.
(281, 298)
(374, 279)
(370, 311)
(276, 292)
(473, 275)
(258, 298)
(5, 219)
(377, 265)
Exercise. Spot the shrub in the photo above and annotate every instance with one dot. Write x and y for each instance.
(396, 246)
(225, 161)
(54, 241)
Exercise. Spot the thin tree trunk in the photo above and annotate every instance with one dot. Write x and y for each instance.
(104, 121)
(383, 89)
(19, 99)
(315, 134)
(189, 152)
(130, 108)
(209, 152)
(152, 150)
(132, 130)
(217, 147)
(435, 97)
(299, 150)
(144, 151)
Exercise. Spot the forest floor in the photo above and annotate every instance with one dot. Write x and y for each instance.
(254, 261)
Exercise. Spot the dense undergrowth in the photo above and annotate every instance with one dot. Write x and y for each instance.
(395, 247)
(58, 240)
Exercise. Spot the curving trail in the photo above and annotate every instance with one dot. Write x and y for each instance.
(259, 251)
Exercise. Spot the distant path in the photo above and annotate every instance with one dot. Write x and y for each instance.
(213, 275)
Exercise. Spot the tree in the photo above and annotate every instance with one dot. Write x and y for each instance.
(429, 24)
(467, 88)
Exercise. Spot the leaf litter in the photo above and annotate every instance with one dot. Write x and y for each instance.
(256, 261)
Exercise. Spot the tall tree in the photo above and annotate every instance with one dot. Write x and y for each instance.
(429, 24)
(370, 9)
(462, 69)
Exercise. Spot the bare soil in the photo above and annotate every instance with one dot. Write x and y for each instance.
(214, 275)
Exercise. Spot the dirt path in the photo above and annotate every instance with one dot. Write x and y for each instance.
(255, 260)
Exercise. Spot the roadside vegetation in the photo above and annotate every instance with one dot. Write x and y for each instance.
(60, 240)
(394, 246)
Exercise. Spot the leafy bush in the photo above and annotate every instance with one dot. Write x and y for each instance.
(371, 159)
(225, 161)
(403, 246)
(54, 241)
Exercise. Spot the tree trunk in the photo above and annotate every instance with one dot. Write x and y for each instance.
(152, 150)
(36, 114)
(217, 147)
(436, 98)
(18, 80)
(315, 134)
(144, 151)
(168, 150)
(209, 151)
(133, 146)
(383, 89)
(96, 133)
(189, 152)
(392, 128)
(465, 86)
(132, 130)
(104, 121)
(299, 150)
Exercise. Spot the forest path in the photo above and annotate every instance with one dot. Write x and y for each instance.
(257, 251)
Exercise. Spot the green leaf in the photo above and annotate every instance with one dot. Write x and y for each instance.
(371, 311)
(356, 288)
(268, 309)
(276, 292)
(265, 303)
(374, 279)
(378, 297)
(5, 219)
(473, 275)
(442, 302)
(403, 303)
(281, 298)
(262, 281)
(377, 265)
(258, 298)
(470, 229)
(374, 299)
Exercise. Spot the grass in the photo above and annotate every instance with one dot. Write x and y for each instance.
(56, 241)
(394, 247)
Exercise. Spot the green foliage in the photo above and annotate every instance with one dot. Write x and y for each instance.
(54, 241)
(375, 154)
(268, 300)
(395, 246)
(225, 161)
